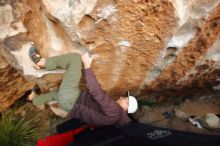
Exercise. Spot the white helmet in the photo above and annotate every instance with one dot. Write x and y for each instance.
(132, 104)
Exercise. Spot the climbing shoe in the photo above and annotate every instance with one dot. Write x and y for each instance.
(34, 55)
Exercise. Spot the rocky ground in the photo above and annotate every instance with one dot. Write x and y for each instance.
(149, 112)
(154, 113)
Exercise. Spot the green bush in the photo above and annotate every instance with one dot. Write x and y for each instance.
(17, 130)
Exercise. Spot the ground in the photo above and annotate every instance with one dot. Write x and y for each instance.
(153, 113)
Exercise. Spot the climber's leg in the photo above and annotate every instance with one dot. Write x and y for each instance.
(44, 98)
(69, 88)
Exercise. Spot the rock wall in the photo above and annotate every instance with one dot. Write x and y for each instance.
(152, 48)
(13, 85)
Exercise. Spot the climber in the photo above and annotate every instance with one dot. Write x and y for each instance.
(93, 105)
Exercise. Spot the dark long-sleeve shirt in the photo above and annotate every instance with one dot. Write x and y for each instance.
(94, 106)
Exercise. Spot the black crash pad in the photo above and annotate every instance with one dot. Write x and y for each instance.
(137, 134)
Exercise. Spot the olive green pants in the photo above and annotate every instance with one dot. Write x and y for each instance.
(69, 88)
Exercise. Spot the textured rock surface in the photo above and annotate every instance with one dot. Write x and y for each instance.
(13, 85)
(154, 47)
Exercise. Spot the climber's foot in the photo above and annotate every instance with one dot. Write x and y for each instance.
(31, 96)
(39, 62)
(34, 92)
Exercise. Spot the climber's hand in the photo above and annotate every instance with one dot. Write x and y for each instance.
(87, 59)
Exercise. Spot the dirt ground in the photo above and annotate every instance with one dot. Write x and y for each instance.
(154, 114)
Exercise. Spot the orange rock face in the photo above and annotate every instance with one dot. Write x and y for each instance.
(153, 48)
(13, 85)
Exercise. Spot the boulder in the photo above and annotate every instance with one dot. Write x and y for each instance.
(154, 47)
